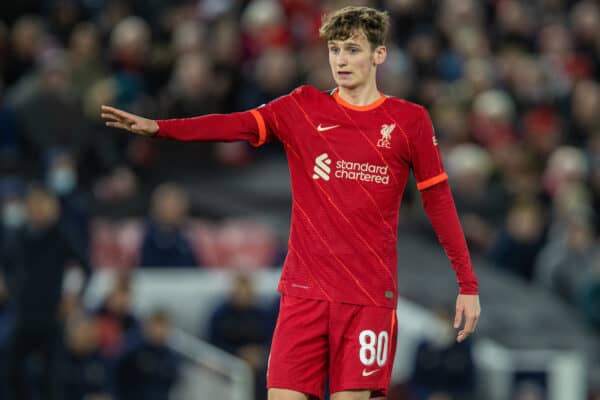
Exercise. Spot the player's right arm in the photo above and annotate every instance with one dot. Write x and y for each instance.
(248, 125)
(257, 126)
(120, 119)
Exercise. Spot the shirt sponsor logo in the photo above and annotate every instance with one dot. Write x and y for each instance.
(349, 170)
(386, 136)
(321, 169)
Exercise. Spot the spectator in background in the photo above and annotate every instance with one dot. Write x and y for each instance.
(85, 57)
(529, 390)
(226, 54)
(12, 206)
(10, 140)
(480, 200)
(583, 113)
(273, 75)
(443, 368)
(150, 369)
(492, 120)
(263, 26)
(164, 243)
(565, 166)
(62, 180)
(85, 372)
(567, 260)
(119, 328)
(33, 261)
(58, 120)
(240, 326)
(118, 194)
(192, 90)
(26, 40)
(520, 240)
(542, 132)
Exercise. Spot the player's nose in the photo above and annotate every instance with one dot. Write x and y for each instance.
(341, 60)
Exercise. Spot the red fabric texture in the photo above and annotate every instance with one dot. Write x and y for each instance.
(348, 168)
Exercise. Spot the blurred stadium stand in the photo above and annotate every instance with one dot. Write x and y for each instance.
(514, 335)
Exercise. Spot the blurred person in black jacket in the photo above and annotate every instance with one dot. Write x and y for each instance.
(85, 372)
(164, 242)
(62, 180)
(34, 259)
(443, 368)
(149, 370)
(120, 329)
(242, 327)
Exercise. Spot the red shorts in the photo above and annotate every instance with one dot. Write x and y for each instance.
(352, 344)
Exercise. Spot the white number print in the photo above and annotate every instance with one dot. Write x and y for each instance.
(373, 347)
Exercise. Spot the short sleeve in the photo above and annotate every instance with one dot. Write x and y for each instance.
(425, 155)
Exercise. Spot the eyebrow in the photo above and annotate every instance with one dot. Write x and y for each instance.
(332, 42)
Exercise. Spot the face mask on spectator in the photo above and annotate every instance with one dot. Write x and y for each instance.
(62, 180)
(13, 215)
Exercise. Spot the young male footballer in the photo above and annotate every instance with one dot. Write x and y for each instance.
(350, 151)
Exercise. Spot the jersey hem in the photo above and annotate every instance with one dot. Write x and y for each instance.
(304, 295)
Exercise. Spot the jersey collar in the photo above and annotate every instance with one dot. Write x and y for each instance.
(336, 95)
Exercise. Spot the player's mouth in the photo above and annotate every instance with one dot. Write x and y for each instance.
(344, 73)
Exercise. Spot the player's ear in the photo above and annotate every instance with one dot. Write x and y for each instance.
(379, 55)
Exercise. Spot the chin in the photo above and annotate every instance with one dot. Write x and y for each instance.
(347, 85)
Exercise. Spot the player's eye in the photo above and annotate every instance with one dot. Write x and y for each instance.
(354, 50)
(334, 50)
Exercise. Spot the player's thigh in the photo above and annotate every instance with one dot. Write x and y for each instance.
(299, 355)
(285, 394)
(362, 348)
(351, 395)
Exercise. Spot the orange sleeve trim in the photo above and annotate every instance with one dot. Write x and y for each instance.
(432, 181)
(262, 129)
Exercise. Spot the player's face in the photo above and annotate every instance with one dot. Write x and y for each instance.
(353, 61)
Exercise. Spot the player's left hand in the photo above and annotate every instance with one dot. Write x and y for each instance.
(467, 305)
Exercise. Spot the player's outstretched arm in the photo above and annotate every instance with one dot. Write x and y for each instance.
(116, 118)
(246, 125)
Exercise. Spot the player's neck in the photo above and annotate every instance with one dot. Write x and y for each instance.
(360, 96)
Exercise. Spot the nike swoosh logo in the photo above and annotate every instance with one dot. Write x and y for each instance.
(369, 373)
(326, 128)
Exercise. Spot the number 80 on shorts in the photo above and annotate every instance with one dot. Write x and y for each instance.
(373, 347)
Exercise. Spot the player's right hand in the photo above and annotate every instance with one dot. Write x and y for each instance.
(116, 118)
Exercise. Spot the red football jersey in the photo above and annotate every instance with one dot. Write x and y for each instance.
(349, 166)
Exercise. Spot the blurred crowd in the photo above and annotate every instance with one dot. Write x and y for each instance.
(511, 85)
